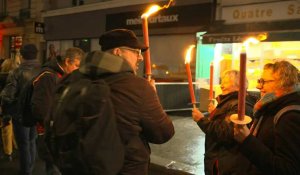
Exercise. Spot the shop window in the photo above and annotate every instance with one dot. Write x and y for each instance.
(77, 2)
(24, 12)
(84, 44)
(167, 57)
(3, 8)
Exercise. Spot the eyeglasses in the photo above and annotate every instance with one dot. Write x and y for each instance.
(261, 81)
(137, 51)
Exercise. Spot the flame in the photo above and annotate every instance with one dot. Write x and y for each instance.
(255, 40)
(155, 8)
(262, 36)
(250, 40)
(189, 54)
(168, 5)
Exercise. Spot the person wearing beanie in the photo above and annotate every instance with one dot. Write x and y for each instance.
(16, 81)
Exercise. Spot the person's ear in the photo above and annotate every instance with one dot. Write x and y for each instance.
(117, 51)
(66, 62)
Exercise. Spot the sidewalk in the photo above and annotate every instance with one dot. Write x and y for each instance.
(183, 154)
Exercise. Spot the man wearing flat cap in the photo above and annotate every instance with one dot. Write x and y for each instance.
(123, 43)
(139, 114)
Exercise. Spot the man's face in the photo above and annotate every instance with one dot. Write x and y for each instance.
(132, 56)
(70, 65)
(228, 85)
(267, 82)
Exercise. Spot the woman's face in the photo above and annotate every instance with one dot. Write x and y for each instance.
(267, 82)
(228, 85)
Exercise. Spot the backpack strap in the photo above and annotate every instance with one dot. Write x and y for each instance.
(284, 110)
(255, 126)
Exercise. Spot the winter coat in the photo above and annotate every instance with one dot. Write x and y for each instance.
(15, 82)
(140, 116)
(275, 149)
(221, 154)
(44, 89)
(3, 77)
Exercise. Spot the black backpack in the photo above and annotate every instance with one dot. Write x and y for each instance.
(24, 101)
(82, 133)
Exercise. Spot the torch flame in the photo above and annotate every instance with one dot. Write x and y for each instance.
(262, 36)
(250, 40)
(255, 40)
(189, 54)
(151, 10)
(155, 8)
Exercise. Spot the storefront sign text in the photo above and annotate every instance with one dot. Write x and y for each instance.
(175, 16)
(284, 10)
(222, 39)
(39, 27)
(155, 19)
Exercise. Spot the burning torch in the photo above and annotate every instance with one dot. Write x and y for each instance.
(144, 17)
(241, 118)
(189, 74)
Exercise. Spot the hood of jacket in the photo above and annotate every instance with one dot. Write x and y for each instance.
(224, 98)
(30, 63)
(53, 65)
(98, 63)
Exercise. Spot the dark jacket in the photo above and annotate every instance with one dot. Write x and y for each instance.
(3, 77)
(44, 90)
(275, 149)
(140, 116)
(16, 81)
(220, 146)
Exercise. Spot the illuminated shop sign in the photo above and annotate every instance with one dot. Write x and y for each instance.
(174, 16)
(283, 10)
(155, 19)
(238, 38)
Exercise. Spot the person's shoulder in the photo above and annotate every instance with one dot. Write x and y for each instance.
(130, 77)
(289, 119)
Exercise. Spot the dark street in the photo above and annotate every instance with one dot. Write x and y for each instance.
(182, 155)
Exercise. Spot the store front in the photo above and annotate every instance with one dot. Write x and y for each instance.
(223, 43)
(171, 31)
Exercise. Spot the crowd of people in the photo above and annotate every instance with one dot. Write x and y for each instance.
(267, 145)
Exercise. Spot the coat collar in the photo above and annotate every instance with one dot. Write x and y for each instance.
(97, 63)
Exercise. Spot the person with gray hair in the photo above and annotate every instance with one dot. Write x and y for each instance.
(221, 155)
(43, 96)
(272, 143)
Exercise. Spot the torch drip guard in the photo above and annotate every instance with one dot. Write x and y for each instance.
(235, 119)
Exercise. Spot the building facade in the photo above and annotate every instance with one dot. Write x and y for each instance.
(171, 31)
(238, 20)
(20, 22)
